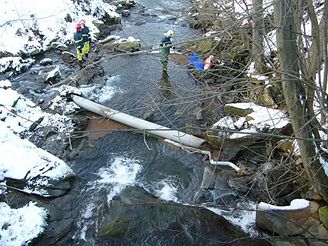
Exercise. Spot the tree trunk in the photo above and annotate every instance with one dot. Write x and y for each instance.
(295, 96)
(257, 37)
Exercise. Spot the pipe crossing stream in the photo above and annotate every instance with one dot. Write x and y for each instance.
(140, 124)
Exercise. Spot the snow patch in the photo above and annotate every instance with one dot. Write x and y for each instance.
(20, 226)
(294, 205)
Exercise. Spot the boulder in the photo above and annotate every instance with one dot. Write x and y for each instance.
(137, 216)
(297, 219)
(53, 76)
(121, 44)
(126, 13)
(229, 144)
(129, 45)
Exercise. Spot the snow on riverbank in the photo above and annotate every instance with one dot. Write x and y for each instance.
(31, 25)
(20, 226)
(22, 160)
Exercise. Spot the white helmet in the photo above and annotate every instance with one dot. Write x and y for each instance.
(169, 34)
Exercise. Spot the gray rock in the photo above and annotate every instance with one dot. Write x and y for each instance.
(288, 222)
(68, 57)
(137, 216)
(53, 76)
(46, 61)
(126, 13)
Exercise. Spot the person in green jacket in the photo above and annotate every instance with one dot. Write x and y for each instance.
(166, 43)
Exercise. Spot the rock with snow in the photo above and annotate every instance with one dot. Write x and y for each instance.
(21, 225)
(39, 171)
(126, 13)
(53, 76)
(46, 61)
(299, 218)
(262, 118)
(122, 44)
(25, 31)
(110, 38)
(15, 65)
(19, 113)
(126, 3)
(226, 122)
(238, 133)
(5, 84)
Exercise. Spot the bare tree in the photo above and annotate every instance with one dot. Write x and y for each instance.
(296, 96)
(258, 35)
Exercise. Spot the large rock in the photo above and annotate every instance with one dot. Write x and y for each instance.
(122, 45)
(300, 218)
(107, 25)
(137, 217)
(53, 76)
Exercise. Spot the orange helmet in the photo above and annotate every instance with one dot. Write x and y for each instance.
(78, 27)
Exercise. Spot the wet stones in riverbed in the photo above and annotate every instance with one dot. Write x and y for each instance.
(87, 74)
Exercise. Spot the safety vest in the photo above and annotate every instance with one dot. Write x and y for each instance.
(78, 39)
(85, 34)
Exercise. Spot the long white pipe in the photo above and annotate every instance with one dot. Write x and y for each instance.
(155, 129)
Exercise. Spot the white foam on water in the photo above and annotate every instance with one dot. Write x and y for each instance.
(167, 191)
(118, 174)
(243, 217)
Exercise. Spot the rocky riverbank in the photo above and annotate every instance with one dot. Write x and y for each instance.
(274, 171)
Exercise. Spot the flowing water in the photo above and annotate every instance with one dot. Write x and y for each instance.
(122, 160)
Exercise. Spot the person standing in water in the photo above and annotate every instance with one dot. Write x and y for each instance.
(166, 45)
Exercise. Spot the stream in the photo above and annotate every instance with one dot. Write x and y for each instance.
(132, 189)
